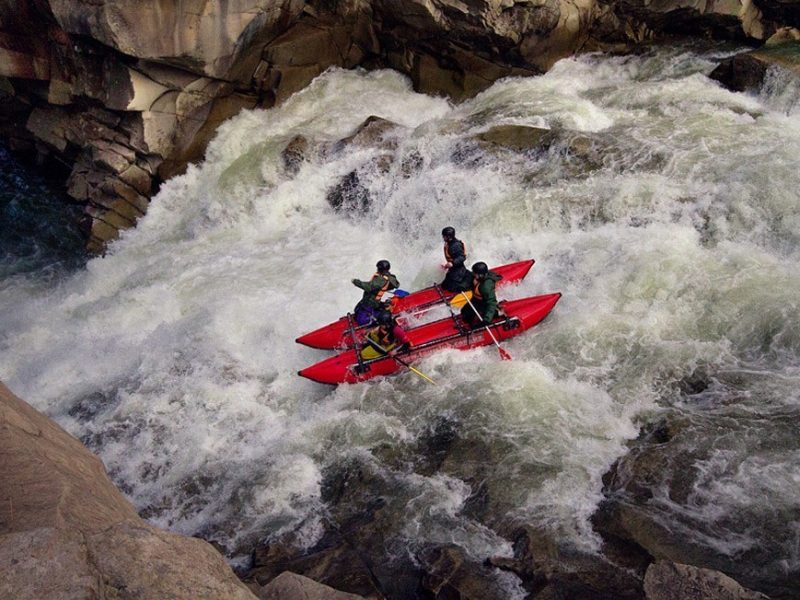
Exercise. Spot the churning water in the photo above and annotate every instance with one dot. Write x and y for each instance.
(667, 213)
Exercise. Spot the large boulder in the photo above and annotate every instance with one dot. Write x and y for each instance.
(747, 71)
(202, 36)
(667, 580)
(291, 586)
(67, 532)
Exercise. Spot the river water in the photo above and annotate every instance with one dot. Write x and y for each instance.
(675, 249)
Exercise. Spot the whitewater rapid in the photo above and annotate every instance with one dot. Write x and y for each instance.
(173, 356)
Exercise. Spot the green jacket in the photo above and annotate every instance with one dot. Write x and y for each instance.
(484, 297)
(375, 288)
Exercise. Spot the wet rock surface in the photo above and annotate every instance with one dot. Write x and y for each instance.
(747, 72)
(668, 581)
(362, 550)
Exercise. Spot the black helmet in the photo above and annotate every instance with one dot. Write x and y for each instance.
(480, 268)
(448, 232)
(383, 266)
(384, 318)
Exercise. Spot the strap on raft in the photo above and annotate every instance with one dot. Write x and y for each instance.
(456, 320)
(360, 367)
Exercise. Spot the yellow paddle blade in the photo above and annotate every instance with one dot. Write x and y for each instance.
(460, 300)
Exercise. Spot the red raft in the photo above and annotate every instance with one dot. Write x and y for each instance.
(518, 316)
(344, 332)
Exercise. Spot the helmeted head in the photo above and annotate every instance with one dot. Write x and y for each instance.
(479, 269)
(448, 233)
(384, 319)
(383, 266)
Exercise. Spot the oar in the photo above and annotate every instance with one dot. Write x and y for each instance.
(402, 362)
(503, 354)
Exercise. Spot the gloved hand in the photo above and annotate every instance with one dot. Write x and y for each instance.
(354, 281)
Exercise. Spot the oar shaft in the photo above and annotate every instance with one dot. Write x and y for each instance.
(402, 362)
(503, 353)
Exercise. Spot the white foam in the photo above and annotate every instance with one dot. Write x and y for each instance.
(173, 356)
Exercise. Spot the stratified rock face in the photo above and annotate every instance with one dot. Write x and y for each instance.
(67, 532)
(128, 93)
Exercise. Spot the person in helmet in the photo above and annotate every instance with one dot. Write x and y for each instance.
(484, 298)
(371, 302)
(458, 277)
(386, 338)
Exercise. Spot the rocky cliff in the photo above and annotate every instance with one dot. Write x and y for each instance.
(67, 532)
(126, 94)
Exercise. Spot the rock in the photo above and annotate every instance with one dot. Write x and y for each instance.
(349, 194)
(746, 72)
(295, 153)
(138, 178)
(50, 126)
(451, 574)
(740, 73)
(23, 57)
(290, 586)
(519, 138)
(374, 132)
(355, 552)
(783, 35)
(660, 475)
(554, 568)
(210, 38)
(786, 12)
(67, 532)
(667, 580)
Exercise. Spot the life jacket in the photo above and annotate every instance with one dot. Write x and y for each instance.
(384, 339)
(447, 256)
(476, 288)
(385, 287)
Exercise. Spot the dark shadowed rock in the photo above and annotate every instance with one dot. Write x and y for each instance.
(349, 194)
(451, 574)
(746, 72)
(551, 568)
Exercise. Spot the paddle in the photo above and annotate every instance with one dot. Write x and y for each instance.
(402, 362)
(503, 354)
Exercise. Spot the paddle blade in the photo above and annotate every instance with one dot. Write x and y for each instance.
(460, 300)
(503, 353)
